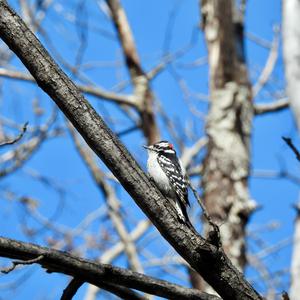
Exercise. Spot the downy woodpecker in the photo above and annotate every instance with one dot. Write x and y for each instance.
(167, 172)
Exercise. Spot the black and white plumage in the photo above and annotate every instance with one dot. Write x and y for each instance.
(166, 170)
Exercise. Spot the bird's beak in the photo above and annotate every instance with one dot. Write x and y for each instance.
(147, 147)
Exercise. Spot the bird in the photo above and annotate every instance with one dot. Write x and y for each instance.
(165, 168)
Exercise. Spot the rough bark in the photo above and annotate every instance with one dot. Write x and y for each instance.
(96, 273)
(206, 258)
(295, 267)
(226, 166)
(291, 53)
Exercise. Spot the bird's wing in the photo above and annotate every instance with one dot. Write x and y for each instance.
(177, 180)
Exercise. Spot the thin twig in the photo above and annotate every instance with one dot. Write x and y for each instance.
(16, 139)
(275, 106)
(189, 153)
(141, 88)
(214, 236)
(292, 146)
(269, 66)
(97, 92)
(22, 262)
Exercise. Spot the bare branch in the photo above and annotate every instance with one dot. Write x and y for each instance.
(109, 255)
(171, 57)
(271, 174)
(23, 262)
(16, 139)
(269, 66)
(258, 40)
(214, 236)
(122, 292)
(278, 105)
(71, 289)
(292, 146)
(6, 73)
(18, 156)
(106, 95)
(61, 262)
(90, 90)
(142, 89)
(189, 153)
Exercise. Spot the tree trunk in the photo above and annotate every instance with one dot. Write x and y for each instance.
(291, 53)
(226, 166)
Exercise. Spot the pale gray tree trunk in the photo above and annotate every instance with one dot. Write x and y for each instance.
(229, 122)
(291, 53)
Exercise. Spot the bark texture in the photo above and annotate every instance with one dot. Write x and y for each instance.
(291, 53)
(226, 166)
(102, 275)
(206, 258)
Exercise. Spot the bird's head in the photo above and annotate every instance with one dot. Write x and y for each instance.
(162, 146)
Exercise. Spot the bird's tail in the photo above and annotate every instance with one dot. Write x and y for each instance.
(182, 213)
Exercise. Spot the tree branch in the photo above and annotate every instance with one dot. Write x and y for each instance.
(139, 79)
(22, 262)
(269, 66)
(95, 273)
(189, 153)
(292, 146)
(122, 292)
(129, 100)
(278, 105)
(112, 253)
(71, 289)
(16, 139)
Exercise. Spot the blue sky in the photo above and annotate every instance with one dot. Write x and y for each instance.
(58, 160)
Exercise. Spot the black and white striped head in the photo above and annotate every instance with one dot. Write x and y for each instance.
(162, 147)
